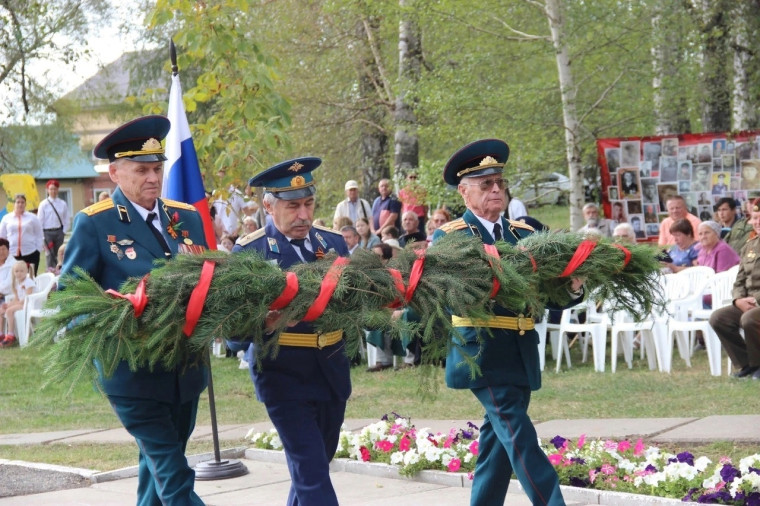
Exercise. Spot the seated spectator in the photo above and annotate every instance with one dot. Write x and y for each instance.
(410, 222)
(366, 238)
(351, 236)
(735, 229)
(227, 242)
(23, 285)
(394, 244)
(6, 268)
(389, 232)
(343, 221)
(714, 252)
(249, 225)
(319, 222)
(440, 216)
(594, 222)
(383, 250)
(624, 232)
(684, 251)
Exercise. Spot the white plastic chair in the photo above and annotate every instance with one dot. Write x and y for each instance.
(597, 331)
(33, 306)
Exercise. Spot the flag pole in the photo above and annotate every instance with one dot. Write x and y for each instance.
(216, 469)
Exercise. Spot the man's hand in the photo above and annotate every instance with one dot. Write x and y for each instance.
(745, 303)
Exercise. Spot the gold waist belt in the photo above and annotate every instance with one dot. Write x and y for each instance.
(310, 340)
(521, 323)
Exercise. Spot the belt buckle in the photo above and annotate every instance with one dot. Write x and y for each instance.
(522, 324)
(321, 341)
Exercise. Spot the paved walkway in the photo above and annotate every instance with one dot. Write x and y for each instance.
(356, 483)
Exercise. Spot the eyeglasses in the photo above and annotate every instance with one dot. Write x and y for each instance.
(412, 177)
(487, 184)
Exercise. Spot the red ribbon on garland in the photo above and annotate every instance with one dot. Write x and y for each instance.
(329, 283)
(288, 293)
(415, 274)
(626, 252)
(493, 252)
(399, 282)
(139, 299)
(198, 298)
(581, 254)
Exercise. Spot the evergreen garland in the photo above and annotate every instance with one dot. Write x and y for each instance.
(457, 277)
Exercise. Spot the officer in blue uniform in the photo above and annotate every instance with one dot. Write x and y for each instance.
(305, 388)
(508, 356)
(112, 241)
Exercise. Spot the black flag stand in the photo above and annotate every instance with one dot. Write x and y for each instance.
(216, 469)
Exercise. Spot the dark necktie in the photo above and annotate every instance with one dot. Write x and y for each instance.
(497, 232)
(159, 235)
(308, 256)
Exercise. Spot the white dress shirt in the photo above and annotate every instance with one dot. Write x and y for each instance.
(28, 227)
(49, 219)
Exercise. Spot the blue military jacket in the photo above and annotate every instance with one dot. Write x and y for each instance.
(504, 356)
(112, 242)
(298, 373)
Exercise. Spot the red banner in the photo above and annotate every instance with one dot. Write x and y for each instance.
(640, 173)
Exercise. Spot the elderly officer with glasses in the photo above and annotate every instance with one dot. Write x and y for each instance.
(306, 386)
(506, 351)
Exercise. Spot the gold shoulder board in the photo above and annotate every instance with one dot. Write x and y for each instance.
(457, 224)
(520, 224)
(178, 204)
(250, 237)
(98, 207)
(325, 229)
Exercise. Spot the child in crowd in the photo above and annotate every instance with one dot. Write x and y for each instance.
(23, 285)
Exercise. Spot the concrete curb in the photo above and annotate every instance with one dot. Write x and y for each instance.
(192, 460)
(85, 473)
(459, 480)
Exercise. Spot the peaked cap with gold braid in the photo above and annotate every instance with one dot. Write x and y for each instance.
(479, 158)
(288, 180)
(138, 140)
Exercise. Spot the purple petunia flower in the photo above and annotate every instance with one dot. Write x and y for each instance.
(650, 468)
(685, 458)
(728, 473)
(753, 499)
(467, 434)
(473, 426)
(578, 460)
(558, 442)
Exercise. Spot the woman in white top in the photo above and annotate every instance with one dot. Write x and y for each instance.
(23, 285)
(24, 233)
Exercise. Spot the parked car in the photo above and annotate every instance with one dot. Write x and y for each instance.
(552, 188)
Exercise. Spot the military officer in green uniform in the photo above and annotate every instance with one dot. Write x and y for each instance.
(744, 313)
(508, 355)
(122, 237)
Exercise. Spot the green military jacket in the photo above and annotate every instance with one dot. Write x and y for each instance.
(747, 282)
(737, 236)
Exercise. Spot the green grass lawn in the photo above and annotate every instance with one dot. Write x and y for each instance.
(571, 394)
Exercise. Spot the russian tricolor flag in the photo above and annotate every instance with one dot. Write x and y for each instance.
(182, 174)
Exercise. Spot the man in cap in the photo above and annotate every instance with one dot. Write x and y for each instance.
(507, 351)
(119, 238)
(53, 214)
(306, 386)
(352, 207)
(743, 313)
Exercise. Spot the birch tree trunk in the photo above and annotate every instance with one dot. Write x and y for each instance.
(745, 115)
(716, 65)
(670, 105)
(406, 151)
(554, 14)
(374, 162)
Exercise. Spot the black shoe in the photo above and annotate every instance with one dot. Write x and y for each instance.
(745, 371)
(756, 376)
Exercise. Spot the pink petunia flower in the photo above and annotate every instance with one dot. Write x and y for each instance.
(581, 440)
(474, 447)
(365, 454)
(555, 458)
(404, 444)
(454, 465)
(639, 449)
(384, 445)
(607, 469)
(623, 446)
(592, 475)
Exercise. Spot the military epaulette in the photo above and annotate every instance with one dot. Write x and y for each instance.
(178, 204)
(98, 207)
(521, 224)
(320, 227)
(251, 237)
(457, 224)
